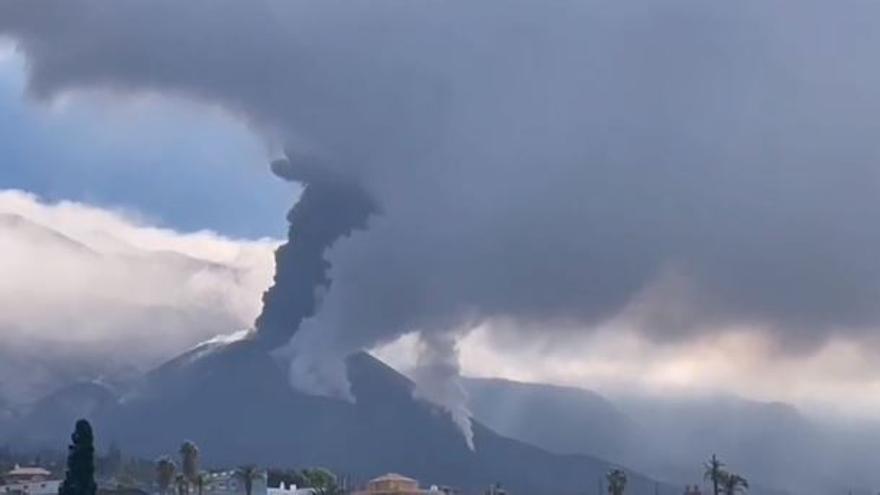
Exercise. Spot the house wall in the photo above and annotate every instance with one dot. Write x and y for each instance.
(42, 487)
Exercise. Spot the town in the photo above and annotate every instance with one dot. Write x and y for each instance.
(111, 473)
(116, 474)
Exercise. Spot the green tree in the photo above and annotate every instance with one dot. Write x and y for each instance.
(80, 476)
(714, 472)
(321, 480)
(616, 481)
(247, 475)
(189, 462)
(165, 471)
(733, 483)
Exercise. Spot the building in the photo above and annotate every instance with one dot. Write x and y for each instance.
(231, 483)
(29, 481)
(392, 484)
(289, 490)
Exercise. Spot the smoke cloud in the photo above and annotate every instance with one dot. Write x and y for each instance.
(329, 208)
(692, 165)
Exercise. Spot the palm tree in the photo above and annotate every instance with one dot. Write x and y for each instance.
(248, 474)
(715, 473)
(189, 461)
(182, 485)
(616, 481)
(200, 483)
(165, 470)
(734, 483)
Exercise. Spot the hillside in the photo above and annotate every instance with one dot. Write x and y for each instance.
(668, 438)
(234, 401)
(563, 420)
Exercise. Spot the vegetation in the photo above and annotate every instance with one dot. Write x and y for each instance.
(247, 475)
(182, 484)
(723, 481)
(733, 483)
(616, 481)
(200, 483)
(189, 463)
(321, 480)
(165, 471)
(80, 476)
(714, 472)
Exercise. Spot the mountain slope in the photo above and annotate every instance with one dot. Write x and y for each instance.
(771, 443)
(564, 420)
(235, 402)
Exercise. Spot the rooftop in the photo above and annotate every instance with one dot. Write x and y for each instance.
(393, 477)
(28, 471)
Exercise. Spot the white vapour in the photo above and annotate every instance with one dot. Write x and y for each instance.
(437, 378)
(83, 281)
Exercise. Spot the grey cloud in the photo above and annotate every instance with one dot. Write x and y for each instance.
(541, 162)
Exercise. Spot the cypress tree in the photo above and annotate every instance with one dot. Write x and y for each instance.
(80, 476)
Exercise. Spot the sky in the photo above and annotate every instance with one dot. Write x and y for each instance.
(146, 154)
(672, 198)
(112, 244)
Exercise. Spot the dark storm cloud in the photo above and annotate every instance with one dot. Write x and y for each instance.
(543, 162)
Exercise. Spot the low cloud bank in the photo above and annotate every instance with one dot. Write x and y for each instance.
(87, 291)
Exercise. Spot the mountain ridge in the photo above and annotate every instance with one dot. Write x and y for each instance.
(235, 401)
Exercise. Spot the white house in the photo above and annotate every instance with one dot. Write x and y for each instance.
(29, 481)
(231, 483)
(289, 490)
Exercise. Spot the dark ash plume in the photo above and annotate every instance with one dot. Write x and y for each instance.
(329, 208)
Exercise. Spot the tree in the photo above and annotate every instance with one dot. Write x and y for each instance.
(165, 470)
(616, 481)
(189, 462)
(182, 484)
(200, 483)
(247, 475)
(322, 481)
(733, 483)
(80, 476)
(714, 473)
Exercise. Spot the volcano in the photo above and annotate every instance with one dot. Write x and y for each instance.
(234, 400)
